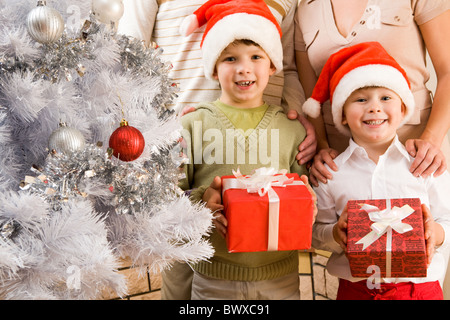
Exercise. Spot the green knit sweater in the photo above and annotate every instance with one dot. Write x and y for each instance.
(215, 148)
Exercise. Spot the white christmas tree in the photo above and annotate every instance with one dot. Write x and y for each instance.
(74, 197)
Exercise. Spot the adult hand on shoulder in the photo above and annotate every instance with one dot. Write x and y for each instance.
(429, 159)
(307, 149)
(318, 170)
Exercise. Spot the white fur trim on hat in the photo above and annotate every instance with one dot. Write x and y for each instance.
(230, 28)
(311, 107)
(376, 75)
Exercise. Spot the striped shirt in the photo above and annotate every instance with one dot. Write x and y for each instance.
(158, 21)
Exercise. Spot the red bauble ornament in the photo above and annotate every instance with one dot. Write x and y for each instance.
(127, 142)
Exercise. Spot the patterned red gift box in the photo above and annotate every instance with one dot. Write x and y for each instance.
(253, 227)
(388, 234)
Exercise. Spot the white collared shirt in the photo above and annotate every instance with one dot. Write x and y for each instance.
(360, 178)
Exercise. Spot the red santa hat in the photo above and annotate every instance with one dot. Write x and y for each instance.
(352, 68)
(229, 20)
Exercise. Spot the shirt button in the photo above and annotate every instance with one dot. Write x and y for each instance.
(397, 18)
(353, 33)
(362, 22)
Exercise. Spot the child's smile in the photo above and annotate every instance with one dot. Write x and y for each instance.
(245, 83)
(374, 122)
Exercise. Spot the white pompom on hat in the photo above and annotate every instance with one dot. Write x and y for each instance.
(362, 65)
(230, 20)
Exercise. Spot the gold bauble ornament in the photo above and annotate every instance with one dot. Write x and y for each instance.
(45, 24)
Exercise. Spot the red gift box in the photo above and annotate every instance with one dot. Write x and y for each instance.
(262, 223)
(376, 238)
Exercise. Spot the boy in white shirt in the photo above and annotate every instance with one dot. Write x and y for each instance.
(370, 99)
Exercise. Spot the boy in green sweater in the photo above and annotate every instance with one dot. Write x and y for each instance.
(240, 131)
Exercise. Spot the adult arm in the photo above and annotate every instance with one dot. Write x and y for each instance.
(324, 154)
(293, 94)
(426, 150)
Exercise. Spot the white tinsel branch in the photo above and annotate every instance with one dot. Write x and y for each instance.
(62, 235)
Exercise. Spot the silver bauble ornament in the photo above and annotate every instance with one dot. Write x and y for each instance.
(66, 139)
(44, 24)
(107, 11)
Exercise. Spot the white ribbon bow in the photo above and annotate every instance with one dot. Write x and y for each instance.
(263, 180)
(384, 221)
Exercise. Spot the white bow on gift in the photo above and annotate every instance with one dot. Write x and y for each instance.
(384, 222)
(261, 182)
(263, 179)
